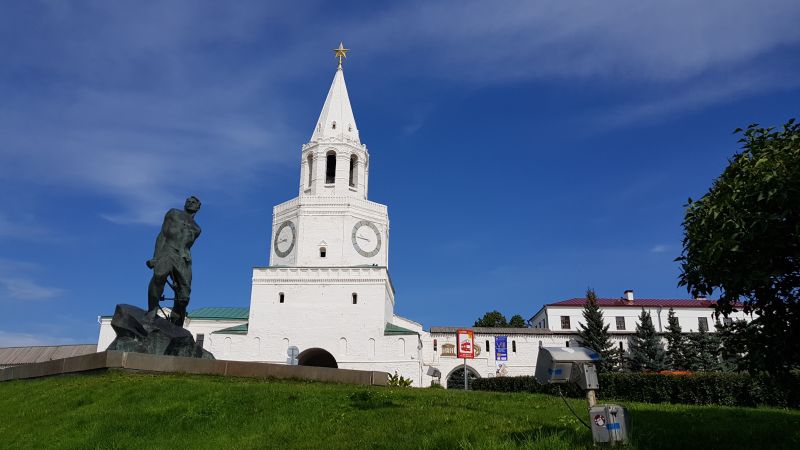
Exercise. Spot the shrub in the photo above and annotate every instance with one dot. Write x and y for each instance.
(707, 388)
(399, 381)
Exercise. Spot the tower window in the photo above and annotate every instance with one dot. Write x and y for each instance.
(514, 346)
(349, 127)
(330, 167)
(280, 297)
(322, 252)
(435, 345)
(353, 165)
(487, 346)
(333, 125)
(310, 168)
(355, 298)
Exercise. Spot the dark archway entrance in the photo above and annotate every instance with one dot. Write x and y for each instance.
(456, 378)
(316, 357)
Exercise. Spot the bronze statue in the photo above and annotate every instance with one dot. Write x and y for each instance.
(172, 258)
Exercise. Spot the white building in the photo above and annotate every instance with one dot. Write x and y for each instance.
(327, 290)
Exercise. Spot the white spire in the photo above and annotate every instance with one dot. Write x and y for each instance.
(336, 119)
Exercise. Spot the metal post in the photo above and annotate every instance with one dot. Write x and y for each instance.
(465, 374)
(590, 397)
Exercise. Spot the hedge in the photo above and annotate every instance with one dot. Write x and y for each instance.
(706, 388)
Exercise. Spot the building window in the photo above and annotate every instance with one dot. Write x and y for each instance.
(310, 168)
(200, 339)
(620, 323)
(565, 322)
(514, 346)
(280, 297)
(702, 324)
(567, 343)
(355, 298)
(322, 252)
(435, 345)
(330, 167)
(621, 349)
(353, 165)
(487, 346)
(727, 321)
(333, 125)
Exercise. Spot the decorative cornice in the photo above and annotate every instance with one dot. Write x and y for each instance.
(327, 201)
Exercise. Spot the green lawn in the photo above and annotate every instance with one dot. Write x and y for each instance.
(129, 410)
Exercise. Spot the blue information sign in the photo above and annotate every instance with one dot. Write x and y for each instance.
(500, 348)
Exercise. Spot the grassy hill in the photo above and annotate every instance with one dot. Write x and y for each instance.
(132, 410)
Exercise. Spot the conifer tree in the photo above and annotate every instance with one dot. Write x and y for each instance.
(704, 353)
(677, 344)
(517, 321)
(646, 350)
(593, 333)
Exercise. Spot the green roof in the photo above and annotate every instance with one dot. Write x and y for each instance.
(238, 329)
(392, 329)
(217, 312)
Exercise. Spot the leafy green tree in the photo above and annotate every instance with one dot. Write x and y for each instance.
(492, 319)
(677, 350)
(646, 350)
(517, 321)
(742, 239)
(704, 351)
(593, 333)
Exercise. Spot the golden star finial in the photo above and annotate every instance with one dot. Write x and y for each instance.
(340, 53)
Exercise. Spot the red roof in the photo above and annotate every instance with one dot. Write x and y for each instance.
(641, 302)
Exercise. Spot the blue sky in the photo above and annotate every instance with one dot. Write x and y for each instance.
(526, 149)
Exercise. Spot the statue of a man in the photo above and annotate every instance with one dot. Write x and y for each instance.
(172, 258)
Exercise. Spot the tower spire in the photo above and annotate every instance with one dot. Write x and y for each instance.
(336, 118)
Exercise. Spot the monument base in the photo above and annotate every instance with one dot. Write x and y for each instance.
(141, 332)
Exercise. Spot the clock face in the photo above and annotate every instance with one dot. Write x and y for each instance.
(366, 238)
(284, 239)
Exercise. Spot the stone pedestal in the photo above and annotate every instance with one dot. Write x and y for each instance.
(142, 332)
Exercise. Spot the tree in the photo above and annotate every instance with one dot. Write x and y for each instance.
(741, 343)
(742, 239)
(646, 350)
(493, 319)
(593, 333)
(677, 351)
(704, 350)
(517, 321)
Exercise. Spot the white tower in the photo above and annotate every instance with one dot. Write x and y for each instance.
(327, 289)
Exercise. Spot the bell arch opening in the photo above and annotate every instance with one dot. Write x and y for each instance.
(316, 357)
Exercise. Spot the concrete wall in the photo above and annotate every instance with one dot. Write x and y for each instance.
(174, 364)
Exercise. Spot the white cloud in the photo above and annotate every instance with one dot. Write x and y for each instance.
(16, 282)
(26, 289)
(24, 228)
(620, 38)
(660, 248)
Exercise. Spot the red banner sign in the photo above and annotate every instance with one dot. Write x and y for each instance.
(465, 343)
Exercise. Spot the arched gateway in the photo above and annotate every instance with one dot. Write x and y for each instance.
(316, 357)
(455, 380)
